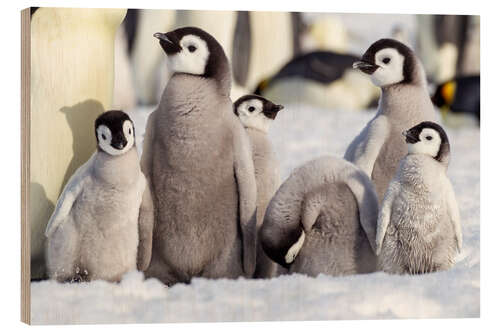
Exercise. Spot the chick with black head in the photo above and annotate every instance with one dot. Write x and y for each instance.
(107, 196)
(198, 160)
(377, 150)
(256, 114)
(418, 228)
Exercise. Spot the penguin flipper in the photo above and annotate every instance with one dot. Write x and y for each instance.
(247, 195)
(68, 196)
(454, 213)
(366, 197)
(384, 215)
(364, 149)
(146, 223)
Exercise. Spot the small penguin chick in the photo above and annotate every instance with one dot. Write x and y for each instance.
(388, 62)
(418, 227)
(256, 112)
(102, 224)
(115, 132)
(430, 139)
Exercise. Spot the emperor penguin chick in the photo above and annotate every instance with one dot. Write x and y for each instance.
(256, 114)
(198, 160)
(323, 219)
(404, 102)
(102, 225)
(419, 224)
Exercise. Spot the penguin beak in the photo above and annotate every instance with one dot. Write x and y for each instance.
(273, 111)
(365, 67)
(410, 138)
(118, 142)
(169, 42)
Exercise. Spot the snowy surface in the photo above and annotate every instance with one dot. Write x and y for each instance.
(299, 134)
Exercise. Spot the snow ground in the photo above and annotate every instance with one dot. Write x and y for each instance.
(299, 134)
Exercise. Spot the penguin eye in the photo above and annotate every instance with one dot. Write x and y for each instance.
(386, 60)
(103, 136)
(251, 109)
(191, 48)
(428, 137)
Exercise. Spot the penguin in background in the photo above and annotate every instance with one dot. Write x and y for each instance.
(256, 114)
(459, 96)
(405, 102)
(102, 225)
(323, 220)
(418, 229)
(322, 78)
(124, 94)
(198, 160)
(264, 42)
(145, 56)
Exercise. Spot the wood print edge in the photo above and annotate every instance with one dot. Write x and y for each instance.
(25, 164)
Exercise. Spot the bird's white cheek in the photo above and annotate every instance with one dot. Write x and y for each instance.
(423, 148)
(186, 63)
(386, 76)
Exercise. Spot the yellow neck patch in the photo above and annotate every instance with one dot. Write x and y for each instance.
(448, 92)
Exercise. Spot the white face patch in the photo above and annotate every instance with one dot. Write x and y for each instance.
(104, 137)
(251, 114)
(193, 57)
(390, 70)
(429, 143)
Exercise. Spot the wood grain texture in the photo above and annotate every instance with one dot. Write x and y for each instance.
(25, 166)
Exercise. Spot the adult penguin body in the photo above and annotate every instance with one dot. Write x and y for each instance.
(323, 219)
(404, 103)
(419, 223)
(256, 114)
(322, 78)
(102, 225)
(462, 95)
(198, 161)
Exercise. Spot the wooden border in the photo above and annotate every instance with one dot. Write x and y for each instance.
(25, 164)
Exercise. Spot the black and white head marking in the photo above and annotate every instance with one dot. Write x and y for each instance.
(430, 139)
(193, 51)
(388, 62)
(256, 112)
(115, 132)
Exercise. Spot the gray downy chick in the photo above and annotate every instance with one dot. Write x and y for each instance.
(419, 224)
(102, 225)
(256, 114)
(404, 103)
(323, 219)
(198, 161)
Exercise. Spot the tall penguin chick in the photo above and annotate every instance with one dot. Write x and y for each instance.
(323, 219)
(419, 224)
(102, 225)
(198, 160)
(404, 102)
(256, 114)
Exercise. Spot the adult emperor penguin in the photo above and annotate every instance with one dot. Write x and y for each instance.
(323, 219)
(198, 160)
(102, 225)
(419, 224)
(256, 114)
(404, 102)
